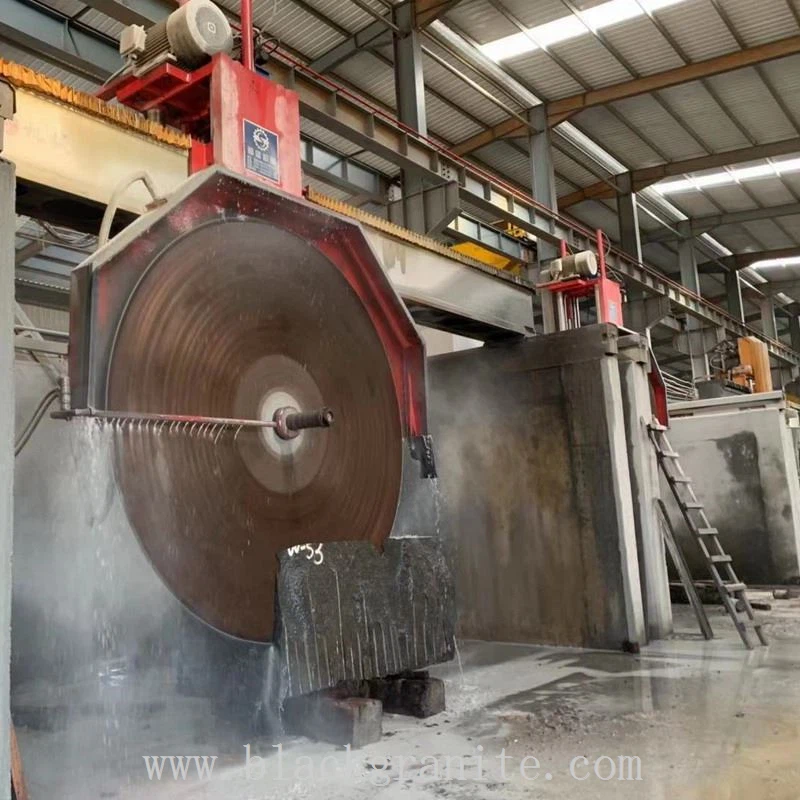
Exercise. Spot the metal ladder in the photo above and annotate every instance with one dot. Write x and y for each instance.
(720, 564)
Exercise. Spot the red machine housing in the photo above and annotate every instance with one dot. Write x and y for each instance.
(565, 295)
(237, 118)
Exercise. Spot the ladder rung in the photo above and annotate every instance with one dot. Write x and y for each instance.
(693, 505)
(707, 532)
(723, 559)
(668, 454)
(732, 588)
(679, 479)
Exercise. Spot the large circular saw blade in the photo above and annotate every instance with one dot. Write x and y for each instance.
(236, 319)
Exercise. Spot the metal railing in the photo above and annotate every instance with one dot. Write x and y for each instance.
(678, 389)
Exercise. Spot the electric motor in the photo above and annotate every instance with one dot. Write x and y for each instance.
(189, 36)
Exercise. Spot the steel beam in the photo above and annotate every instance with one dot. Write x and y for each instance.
(768, 324)
(7, 231)
(628, 216)
(29, 345)
(543, 177)
(408, 78)
(690, 278)
(508, 127)
(409, 86)
(739, 261)
(52, 36)
(647, 176)
(794, 331)
(134, 12)
(29, 250)
(343, 172)
(428, 11)
(700, 225)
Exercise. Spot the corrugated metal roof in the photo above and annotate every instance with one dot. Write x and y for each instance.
(671, 137)
(642, 46)
(698, 29)
(501, 157)
(705, 116)
(322, 135)
(770, 232)
(782, 74)
(694, 204)
(68, 7)
(372, 76)
(542, 75)
(793, 182)
(591, 61)
(463, 96)
(537, 13)
(734, 237)
(602, 126)
(292, 25)
(447, 123)
(761, 21)
(347, 15)
(576, 174)
(743, 94)
(730, 198)
(480, 21)
(771, 192)
(102, 23)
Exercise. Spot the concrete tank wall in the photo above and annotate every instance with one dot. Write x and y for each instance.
(740, 454)
(536, 504)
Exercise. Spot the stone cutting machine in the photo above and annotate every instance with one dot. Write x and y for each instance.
(266, 382)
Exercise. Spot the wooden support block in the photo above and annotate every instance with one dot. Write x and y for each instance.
(335, 716)
(414, 694)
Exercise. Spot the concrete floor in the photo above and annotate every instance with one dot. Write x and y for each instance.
(706, 719)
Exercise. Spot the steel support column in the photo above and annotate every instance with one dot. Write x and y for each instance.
(690, 278)
(410, 95)
(628, 215)
(7, 181)
(733, 291)
(543, 177)
(768, 325)
(794, 331)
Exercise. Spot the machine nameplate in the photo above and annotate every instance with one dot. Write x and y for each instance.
(261, 151)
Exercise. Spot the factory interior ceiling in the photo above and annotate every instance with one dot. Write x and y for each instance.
(697, 101)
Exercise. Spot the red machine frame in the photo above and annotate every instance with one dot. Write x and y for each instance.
(565, 295)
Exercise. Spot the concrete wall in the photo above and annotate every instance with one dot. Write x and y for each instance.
(536, 506)
(741, 458)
